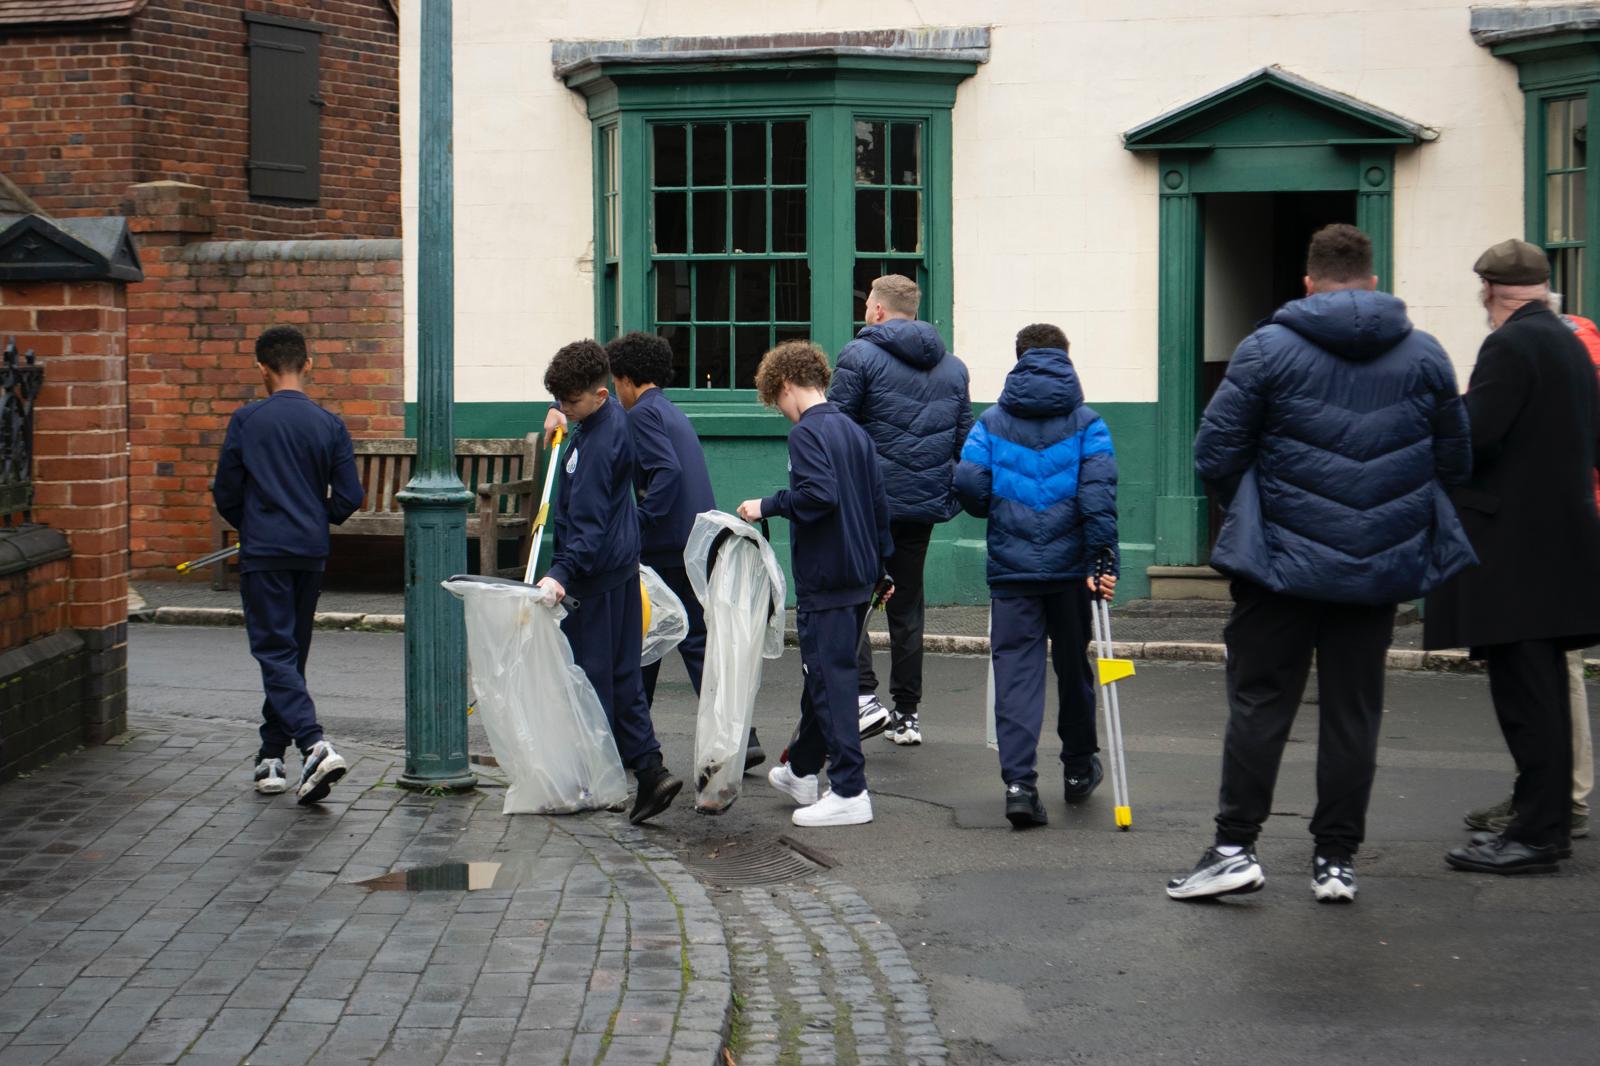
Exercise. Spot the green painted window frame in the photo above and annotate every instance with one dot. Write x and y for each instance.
(830, 94)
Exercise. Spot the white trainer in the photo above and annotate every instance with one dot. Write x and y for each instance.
(803, 790)
(834, 809)
(270, 777)
(323, 767)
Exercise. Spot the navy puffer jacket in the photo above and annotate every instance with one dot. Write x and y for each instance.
(1330, 441)
(1040, 466)
(897, 382)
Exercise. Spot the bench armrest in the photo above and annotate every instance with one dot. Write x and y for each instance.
(523, 487)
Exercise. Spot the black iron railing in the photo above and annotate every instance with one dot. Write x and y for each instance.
(20, 380)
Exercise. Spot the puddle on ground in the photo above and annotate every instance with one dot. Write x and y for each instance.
(452, 877)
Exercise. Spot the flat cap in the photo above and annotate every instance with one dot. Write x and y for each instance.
(1513, 262)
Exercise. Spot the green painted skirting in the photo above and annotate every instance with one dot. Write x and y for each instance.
(745, 449)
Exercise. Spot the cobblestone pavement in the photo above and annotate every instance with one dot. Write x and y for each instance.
(823, 982)
(154, 909)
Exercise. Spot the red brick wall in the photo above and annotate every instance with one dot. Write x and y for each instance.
(84, 115)
(33, 602)
(192, 326)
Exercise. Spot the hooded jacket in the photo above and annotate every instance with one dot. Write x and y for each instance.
(897, 381)
(1330, 442)
(1039, 466)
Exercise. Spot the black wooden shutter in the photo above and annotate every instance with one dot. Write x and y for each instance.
(285, 108)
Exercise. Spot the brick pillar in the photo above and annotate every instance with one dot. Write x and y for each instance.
(80, 438)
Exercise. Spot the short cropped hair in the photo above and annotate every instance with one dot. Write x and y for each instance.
(898, 293)
(642, 358)
(577, 368)
(282, 350)
(1339, 253)
(1040, 335)
(796, 362)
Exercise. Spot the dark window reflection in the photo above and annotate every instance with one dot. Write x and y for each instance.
(749, 153)
(711, 154)
(788, 153)
(788, 220)
(870, 168)
(750, 221)
(710, 222)
(671, 225)
(711, 357)
(711, 292)
(869, 220)
(671, 155)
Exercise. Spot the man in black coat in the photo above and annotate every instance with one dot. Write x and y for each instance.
(1529, 510)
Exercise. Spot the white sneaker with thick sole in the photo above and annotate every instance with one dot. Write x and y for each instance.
(1217, 874)
(872, 717)
(834, 809)
(271, 779)
(323, 766)
(803, 790)
(1333, 880)
(905, 730)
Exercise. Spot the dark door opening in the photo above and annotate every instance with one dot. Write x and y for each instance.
(1255, 260)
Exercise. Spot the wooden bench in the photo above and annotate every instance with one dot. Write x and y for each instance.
(503, 475)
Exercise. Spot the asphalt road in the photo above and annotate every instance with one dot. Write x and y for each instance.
(1059, 945)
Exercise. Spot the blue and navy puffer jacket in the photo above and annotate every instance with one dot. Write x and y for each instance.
(896, 381)
(1330, 441)
(1040, 466)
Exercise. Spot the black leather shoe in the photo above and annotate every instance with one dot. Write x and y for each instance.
(1080, 786)
(657, 789)
(1023, 809)
(1502, 856)
(1562, 852)
(754, 755)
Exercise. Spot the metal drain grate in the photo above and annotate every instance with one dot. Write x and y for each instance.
(768, 862)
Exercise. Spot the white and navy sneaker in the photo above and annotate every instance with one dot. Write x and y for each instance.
(905, 729)
(271, 780)
(1333, 880)
(872, 716)
(322, 768)
(834, 809)
(1219, 875)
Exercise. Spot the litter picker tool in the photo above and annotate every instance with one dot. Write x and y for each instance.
(207, 560)
(1111, 671)
(543, 516)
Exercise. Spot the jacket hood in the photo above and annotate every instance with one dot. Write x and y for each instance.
(1355, 324)
(911, 341)
(1043, 384)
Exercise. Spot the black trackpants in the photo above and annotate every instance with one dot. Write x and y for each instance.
(905, 613)
(1528, 683)
(1270, 640)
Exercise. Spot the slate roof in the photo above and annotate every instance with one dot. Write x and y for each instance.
(48, 12)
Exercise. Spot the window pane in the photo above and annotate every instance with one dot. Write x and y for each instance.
(750, 344)
(711, 154)
(711, 292)
(750, 221)
(905, 153)
(1578, 204)
(869, 153)
(710, 222)
(866, 272)
(905, 221)
(672, 292)
(792, 290)
(678, 338)
(750, 153)
(752, 299)
(788, 220)
(671, 155)
(782, 334)
(1567, 278)
(711, 357)
(788, 153)
(869, 220)
(671, 222)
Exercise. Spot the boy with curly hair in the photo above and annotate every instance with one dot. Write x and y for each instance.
(840, 516)
(597, 561)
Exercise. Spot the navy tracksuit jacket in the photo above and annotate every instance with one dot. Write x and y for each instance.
(840, 541)
(597, 562)
(287, 470)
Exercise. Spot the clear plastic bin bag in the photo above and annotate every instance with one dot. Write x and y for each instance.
(667, 622)
(743, 599)
(544, 720)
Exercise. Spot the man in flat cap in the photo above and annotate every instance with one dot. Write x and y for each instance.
(1530, 512)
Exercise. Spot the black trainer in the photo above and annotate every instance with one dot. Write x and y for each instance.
(754, 754)
(657, 790)
(1023, 808)
(1081, 785)
(1217, 874)
(1333, 879)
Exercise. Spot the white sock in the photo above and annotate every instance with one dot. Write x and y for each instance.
(1229, 850)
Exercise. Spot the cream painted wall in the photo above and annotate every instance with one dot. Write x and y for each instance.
(1053, 219)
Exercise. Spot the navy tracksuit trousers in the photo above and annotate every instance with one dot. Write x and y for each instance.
(1020, 624)
(606, 634)
(279, 609)
(693, 647)
(829, 728)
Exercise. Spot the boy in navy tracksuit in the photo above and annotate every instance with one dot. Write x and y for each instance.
(1040, 466)
(840, 518)
(597, 562)
(287, 469)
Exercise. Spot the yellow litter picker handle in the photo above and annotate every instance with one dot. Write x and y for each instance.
(644, 597)
(543, 514)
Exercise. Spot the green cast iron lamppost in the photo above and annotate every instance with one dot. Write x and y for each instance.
(435, 500)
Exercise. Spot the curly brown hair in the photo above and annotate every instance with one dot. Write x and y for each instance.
(577, 368)
(800, 363)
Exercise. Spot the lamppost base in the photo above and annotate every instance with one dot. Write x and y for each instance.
(447, 783)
